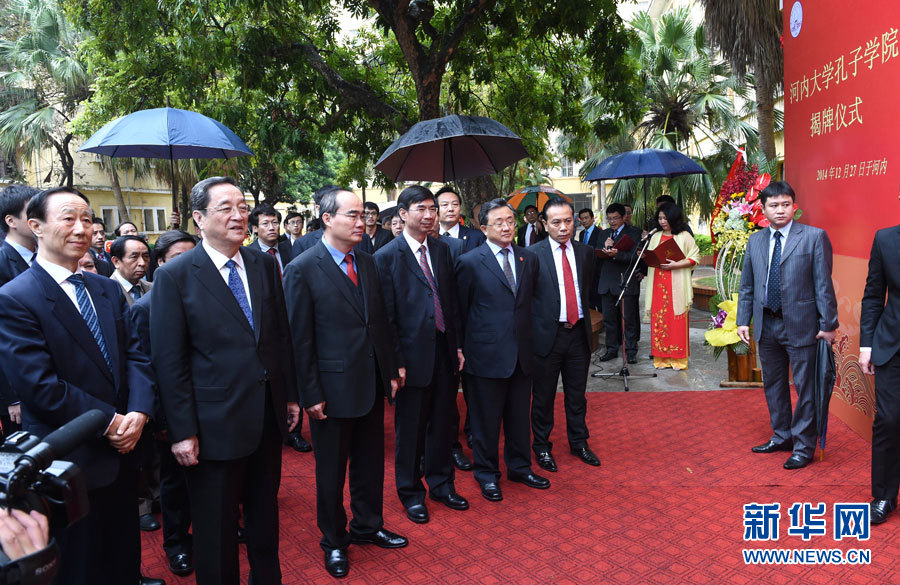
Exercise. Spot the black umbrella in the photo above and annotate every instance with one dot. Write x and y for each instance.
(450, 148)
(825, 377)
(647, 162)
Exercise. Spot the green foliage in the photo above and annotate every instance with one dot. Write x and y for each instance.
(704, 242)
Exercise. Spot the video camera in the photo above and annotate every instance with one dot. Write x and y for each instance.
(31, 478)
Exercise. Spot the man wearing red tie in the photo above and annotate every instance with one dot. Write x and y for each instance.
(562, 336)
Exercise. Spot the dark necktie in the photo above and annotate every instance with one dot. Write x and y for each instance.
(237, 289)
(583, 236)
(89, 315)
(351, 271)
(446, 234)
(135, 292)
(271, 252)
(533, 236)
(438, 312)
(507, 269)
(569, 283)
(773, 288)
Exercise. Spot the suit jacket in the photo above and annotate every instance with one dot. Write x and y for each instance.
(612, 272)
(142, 284)
(410, 306)
(47, 348)
(520, 235)
(285, 250)
(471, 238)
(457, 247)
(11, 263)
(345, 345)
(546, 304)
(382, 237)
(103, 262)
(496, 319)
(310, 239)
(807, 292)
(212, 368)
(879, 319)
(594, 240)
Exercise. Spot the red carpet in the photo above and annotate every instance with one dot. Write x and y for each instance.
(665, 507)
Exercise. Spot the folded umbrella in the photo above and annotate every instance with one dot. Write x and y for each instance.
(825, 377)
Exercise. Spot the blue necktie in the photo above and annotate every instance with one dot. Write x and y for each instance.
(135, 292)
(89, 315)
(773, 288)
(237, 289)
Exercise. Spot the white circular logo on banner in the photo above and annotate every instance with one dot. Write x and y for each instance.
(796, 18)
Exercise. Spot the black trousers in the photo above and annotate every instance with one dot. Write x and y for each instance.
(105, 546)
(423, 422)
(571, 357)
(359, 442)
(886, 431)
(174, 502)
(216, 489)
(496, 401)
(148, 482)
(612, 323)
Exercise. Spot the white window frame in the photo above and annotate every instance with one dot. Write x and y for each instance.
(154, 229)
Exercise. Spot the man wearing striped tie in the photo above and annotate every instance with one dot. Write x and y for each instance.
(419, 291)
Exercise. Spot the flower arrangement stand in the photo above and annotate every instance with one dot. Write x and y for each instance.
(743, 371)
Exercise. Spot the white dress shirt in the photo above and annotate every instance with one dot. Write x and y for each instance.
(61, 275)
(265, 250)
(557, 261)
(414, 246)
(529, 228)
(784, 236)
(454, 231)
(495, 249)
(219, 260)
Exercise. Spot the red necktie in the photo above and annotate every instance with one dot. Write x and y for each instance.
(351, 272)
(271, 252)
(569, 283)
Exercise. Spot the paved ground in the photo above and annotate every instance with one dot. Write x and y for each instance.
(704, 372)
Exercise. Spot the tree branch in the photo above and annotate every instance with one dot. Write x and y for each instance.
(451, 41)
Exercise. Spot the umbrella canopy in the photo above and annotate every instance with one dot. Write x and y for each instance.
(450, 148)
(648, 162)
(166, 133)
(536, 195)
(825, 377)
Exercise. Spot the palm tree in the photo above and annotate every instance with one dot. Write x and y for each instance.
(748, 33)
(45, 81)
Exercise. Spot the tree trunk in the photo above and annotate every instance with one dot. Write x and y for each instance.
(68, 162)
(117, 191)
(475, 191)
(765, 119)
(186, 217)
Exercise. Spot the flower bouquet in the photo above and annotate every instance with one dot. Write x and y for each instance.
(722, 333)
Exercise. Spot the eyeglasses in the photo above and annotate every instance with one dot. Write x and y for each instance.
(499, 225)
(295, 222)
(229, 209)
(370, 212)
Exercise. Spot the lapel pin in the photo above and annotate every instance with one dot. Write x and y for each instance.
(521, 258)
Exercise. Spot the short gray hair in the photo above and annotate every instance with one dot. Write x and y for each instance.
(200, 191)
(329, 203)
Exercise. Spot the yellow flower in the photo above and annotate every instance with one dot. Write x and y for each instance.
(737, 195)
(727, 333)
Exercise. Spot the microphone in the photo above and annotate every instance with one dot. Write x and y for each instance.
(650, 233)
(58, 443)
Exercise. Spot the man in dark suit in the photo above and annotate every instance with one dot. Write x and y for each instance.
(16, 254)
(420, 296)
(786, 289)
(293, 227)
(879, 354)
(613, 269)
(314, 236)
(496, 284)
(221, 351)
(449, 207)
(377, 235)
(266, 219)
(173, 493)
(562, 334)
(590, 235)
(131, 257)
(346, 363)
(532, 232)
(102, 259)
(65, 336)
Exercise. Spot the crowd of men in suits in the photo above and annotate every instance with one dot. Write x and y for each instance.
(215, 364)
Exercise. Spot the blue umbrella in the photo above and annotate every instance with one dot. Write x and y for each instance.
(166, 133)
(647, 162)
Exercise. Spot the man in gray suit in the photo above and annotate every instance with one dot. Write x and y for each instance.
(792, 305)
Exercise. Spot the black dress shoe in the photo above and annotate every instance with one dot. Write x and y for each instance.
(586, 455)
(296, 442)
(491, 491)
(148, 522)
(418, 513)
(880, 510)
(632, 359)
(151, 581)
(772, 446)
(181, 564)
(383, 538)
(460, 460)
(797, 461)
(469, 441)
(545, 460)
(336, 562)
(531, 480)
(610, 355)
(452, 500)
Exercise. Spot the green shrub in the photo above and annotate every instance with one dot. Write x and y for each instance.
(705, 244)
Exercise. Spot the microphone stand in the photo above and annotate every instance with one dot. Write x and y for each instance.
(624, 373)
